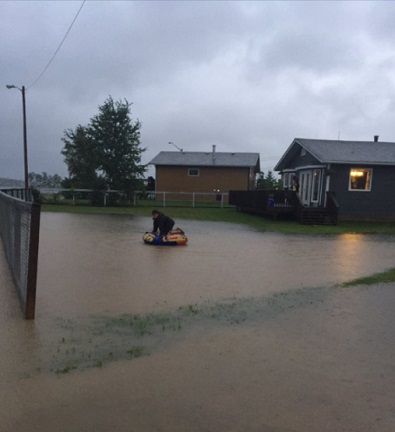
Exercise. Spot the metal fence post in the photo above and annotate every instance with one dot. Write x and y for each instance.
(33, 262)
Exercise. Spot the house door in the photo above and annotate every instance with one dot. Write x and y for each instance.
(316, 180)
(305, 187)
(310, 187)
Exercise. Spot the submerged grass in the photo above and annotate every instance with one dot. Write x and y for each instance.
(383, 277)
(96, 341)
(231, 215)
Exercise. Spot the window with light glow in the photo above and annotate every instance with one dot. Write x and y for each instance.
(360, 179)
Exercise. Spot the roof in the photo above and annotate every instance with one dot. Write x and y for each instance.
(209, 159)
(341, 152)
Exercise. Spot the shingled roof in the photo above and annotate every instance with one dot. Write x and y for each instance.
(342, 152)
(209, 159)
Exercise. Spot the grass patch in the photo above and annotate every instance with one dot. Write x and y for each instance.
(95, 342)
(384, 277)
(141, 325)
(231, 215)
(136, 351)
(66, 369)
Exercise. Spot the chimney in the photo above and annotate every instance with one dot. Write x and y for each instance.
(214, 150)
(376, 138)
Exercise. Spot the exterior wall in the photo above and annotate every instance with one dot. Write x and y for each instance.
(306, 160)
(378, 203)
(176, 179)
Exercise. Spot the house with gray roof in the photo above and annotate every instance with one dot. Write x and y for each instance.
(360, 175)
(182, 171)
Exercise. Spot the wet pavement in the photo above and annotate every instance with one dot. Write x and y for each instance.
(237, 331)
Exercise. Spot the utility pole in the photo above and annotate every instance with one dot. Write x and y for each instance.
(26, 170)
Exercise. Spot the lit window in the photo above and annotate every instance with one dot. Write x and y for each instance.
(193, 172)
(360, 179)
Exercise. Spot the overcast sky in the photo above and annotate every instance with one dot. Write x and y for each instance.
(244, 76)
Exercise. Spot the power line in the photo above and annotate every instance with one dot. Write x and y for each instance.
(60, 45)
(268, 158)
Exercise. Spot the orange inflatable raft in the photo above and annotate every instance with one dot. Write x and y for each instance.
(175, 237)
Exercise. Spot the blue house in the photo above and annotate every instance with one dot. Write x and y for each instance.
(358, 175)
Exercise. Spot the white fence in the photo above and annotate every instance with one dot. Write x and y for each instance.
(139, 198)
(185, 199)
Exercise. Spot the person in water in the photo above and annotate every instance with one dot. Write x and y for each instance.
(162, 223)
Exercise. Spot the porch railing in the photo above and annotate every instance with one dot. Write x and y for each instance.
(263, 201)
(275, 203)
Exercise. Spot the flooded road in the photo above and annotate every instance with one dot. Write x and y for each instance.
(238, 331)
(92, 264)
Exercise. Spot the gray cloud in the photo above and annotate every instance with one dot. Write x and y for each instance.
(246, 76)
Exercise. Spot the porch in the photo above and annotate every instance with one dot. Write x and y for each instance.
(285, 204)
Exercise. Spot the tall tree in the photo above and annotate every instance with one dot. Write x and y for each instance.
(81, 157)
(117, 142)
(269, 182)
(106, 154)
(45, 180)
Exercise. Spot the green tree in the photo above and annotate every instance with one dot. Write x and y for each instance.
(117, 142)
(81, 158)
(106, 154)
(45, 180)
(269, 182)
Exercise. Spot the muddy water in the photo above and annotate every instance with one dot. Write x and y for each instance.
(238, 331)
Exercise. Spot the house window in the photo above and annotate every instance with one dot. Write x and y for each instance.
(303, 152)
(286, 180)
(193, 172)
(306, 190)
(360, 179)
(316, 185)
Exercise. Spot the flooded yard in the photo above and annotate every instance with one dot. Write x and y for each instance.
(237, 331)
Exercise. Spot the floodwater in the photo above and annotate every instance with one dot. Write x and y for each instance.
(237, 331)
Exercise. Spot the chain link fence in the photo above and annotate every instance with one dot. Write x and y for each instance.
(19, 230)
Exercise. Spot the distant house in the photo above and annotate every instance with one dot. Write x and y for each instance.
(359, 174)
(205, 171)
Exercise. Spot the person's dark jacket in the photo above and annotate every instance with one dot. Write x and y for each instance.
(163, 223)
